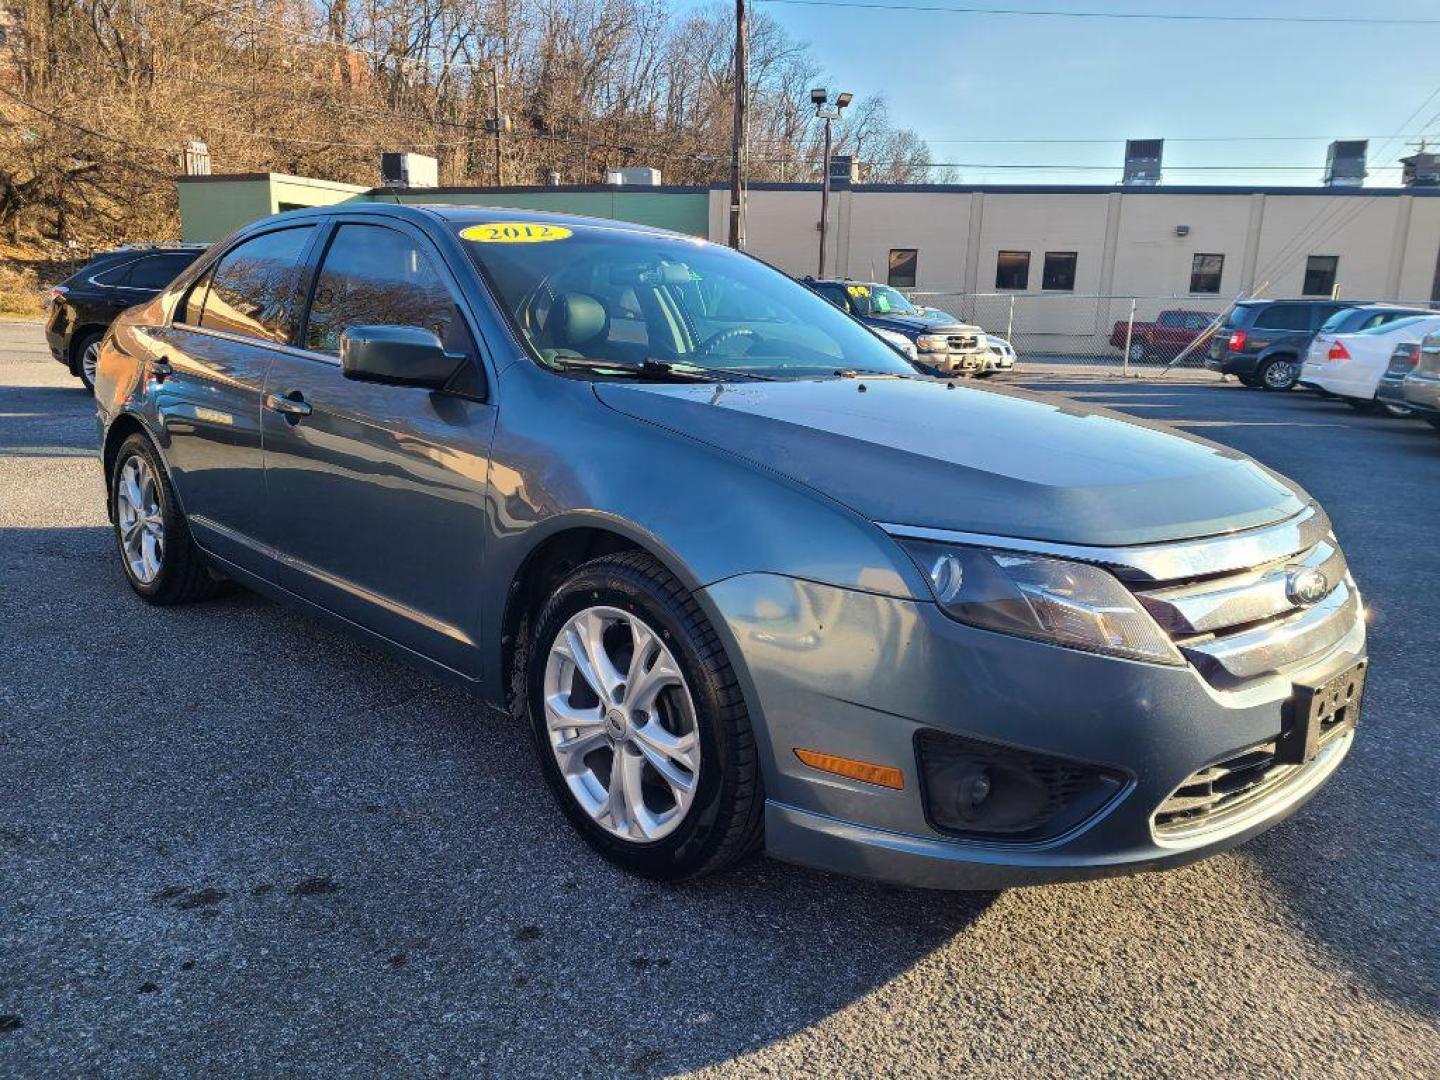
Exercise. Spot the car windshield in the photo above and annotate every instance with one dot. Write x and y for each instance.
(597, 296)
(880, 300)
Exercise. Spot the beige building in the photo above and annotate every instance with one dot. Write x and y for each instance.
(1170, 241)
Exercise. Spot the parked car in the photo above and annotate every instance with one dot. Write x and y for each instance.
(1349, 365)
(1001, 358)
(746, 577)
(1390, 392)
(1421, 387)
(80, 309)
(1264, 341)
(944, 345)
(1165, 338)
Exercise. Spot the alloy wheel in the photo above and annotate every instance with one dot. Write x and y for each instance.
(90, 361)
(1280, 375)
(141, 522)
(621, 724)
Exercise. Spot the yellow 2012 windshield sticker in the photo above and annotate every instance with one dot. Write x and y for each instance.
(858, 290)
(514, 232)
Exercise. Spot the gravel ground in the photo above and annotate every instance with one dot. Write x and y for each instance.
(232, 842)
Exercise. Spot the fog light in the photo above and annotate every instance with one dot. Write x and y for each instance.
(977, 789)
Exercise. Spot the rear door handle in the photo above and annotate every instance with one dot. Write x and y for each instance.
(292, 406)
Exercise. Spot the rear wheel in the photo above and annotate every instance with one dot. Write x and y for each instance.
(1138, 351)
(160, 560)
(1360, 404)
(1278, 373)
(87, 358)
(639, 722)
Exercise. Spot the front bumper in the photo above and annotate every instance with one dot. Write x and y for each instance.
(1422, 393)
(953, 363)
(858, 675)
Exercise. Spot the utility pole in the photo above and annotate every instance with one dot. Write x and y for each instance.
(737, 139)
(499, 121)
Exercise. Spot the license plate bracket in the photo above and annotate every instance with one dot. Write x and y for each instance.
(1315, 714)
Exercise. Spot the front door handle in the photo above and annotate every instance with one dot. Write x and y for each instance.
(292, 406)
(161, 370)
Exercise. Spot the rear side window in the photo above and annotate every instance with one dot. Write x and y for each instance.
(1284, 317)
(374, 276)
(157, 271)
(252, 290)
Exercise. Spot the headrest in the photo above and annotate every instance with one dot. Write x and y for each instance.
(576, 319)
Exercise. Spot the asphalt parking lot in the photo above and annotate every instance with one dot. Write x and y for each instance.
(232, 842)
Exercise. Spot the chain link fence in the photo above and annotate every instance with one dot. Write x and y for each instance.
(1114, 333)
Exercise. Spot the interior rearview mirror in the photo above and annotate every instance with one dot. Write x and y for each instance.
(397, 356)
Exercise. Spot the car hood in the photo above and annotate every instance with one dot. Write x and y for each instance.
(997, 461)
(925, 322)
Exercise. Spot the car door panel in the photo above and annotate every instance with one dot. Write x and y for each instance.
(211, 362)
(376, 493)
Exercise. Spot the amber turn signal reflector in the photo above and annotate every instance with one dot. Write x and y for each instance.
(882, 775)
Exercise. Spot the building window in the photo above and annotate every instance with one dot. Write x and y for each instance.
(1205, 271)
(1012, 270)
(1320, 275)
(903, 262)
(1059, 272)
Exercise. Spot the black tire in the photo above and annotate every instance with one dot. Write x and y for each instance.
(1360, 405)
(184, 576)
(78, 350)
(725, 821)
(1278, 374)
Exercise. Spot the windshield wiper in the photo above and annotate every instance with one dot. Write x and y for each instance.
(657, 369)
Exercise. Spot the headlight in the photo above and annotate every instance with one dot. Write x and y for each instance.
(1066, 603)
(932, 343)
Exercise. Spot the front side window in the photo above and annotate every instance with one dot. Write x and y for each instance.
(253, 289)
(1059, 273)
(600, 295)
(1205, 273)
(374, 276)
(903, 264)
(1012, 270)
(1320, 275)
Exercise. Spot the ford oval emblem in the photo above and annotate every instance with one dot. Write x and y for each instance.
(1307, 587)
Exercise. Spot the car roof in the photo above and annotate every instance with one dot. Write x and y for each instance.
(457, 215)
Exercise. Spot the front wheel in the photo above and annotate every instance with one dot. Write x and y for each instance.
(160, 560)
(1278, 373)
(640, 724)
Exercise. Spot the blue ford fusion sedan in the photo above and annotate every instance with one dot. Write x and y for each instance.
(748, 579)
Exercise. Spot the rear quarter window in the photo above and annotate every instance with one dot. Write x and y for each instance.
(1284, 317)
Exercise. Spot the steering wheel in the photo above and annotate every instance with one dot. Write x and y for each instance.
(708, 346)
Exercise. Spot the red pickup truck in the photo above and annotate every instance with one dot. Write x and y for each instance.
(1164, 338)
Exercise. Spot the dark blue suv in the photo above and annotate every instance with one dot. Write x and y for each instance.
(943, 344)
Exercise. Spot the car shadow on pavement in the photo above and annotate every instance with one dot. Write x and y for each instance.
(247, 840)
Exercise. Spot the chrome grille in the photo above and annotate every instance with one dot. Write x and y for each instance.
(1241, 622)
(963, 342)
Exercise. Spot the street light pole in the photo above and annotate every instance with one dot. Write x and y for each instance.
(829, 113)
(824, 197)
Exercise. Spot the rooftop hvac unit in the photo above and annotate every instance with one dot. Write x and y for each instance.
(844, 170)
(638, 177)
(1345, 163)
(409, 170)
(1421, 170)
(1142, 162)
(197, 158)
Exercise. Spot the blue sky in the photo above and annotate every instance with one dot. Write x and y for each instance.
(965, 77)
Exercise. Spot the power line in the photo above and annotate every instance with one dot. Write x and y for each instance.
(948, 9)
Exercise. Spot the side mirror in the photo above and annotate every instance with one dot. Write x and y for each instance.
(396, 356)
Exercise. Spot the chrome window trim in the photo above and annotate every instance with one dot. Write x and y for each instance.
(263, 343)
(1171, 560)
